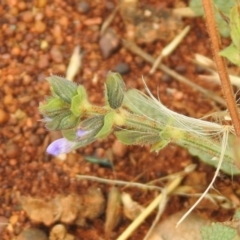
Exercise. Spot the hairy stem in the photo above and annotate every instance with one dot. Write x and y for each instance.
(221, 65)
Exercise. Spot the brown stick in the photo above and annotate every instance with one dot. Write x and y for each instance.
(221, 65)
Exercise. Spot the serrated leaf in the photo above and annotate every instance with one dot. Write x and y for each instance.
(62, 87)
(232, 54)
(107, 126)
(218, 231)
(235, 26)
(115, 88)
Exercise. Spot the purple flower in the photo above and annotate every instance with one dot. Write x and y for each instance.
(60, 146)
(63, 145)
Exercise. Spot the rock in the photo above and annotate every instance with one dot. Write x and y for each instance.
(56, 54)
(189, 229)
(122, 68)
(109, 43)
(32, 233)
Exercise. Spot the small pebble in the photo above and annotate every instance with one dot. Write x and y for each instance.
(35, 140)
(32, 234)
(122, 68)
(83, 7)
(56, 54)
(109, 43)
(26, 79)
(180, 68)
(3, 223)
(43, 61)
(119, 149)
(27, 16)
(40, 26)
(44, 44)
(3, 116)
(21, 5)
(41, 3)
(166, 78)
(15, 51)
(12, 151)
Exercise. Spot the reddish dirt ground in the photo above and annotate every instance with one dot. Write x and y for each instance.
(37, 38)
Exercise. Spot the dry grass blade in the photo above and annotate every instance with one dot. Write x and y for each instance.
(113, 211)
(131, 46)
(109, 20)
(184, 12)
(118, 182)
(74, 64)
(155, 203)
(170, 48)
(161, 208)
(210, 66)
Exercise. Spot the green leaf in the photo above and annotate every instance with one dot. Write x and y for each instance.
(159, 145)
(53, 105)
(91, 123)
(232, 54)
(218, 231)
(237, 215)
(63, 120)
(235, 26)
(101, 162)
(69, 134)
(69, 121)
(115, 88)
(62, 87)
(107, 126)
(78, 100)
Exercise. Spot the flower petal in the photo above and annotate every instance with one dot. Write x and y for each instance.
(60, 146)
(80, 133)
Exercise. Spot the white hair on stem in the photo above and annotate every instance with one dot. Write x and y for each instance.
(197, 126)
(224, 146)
